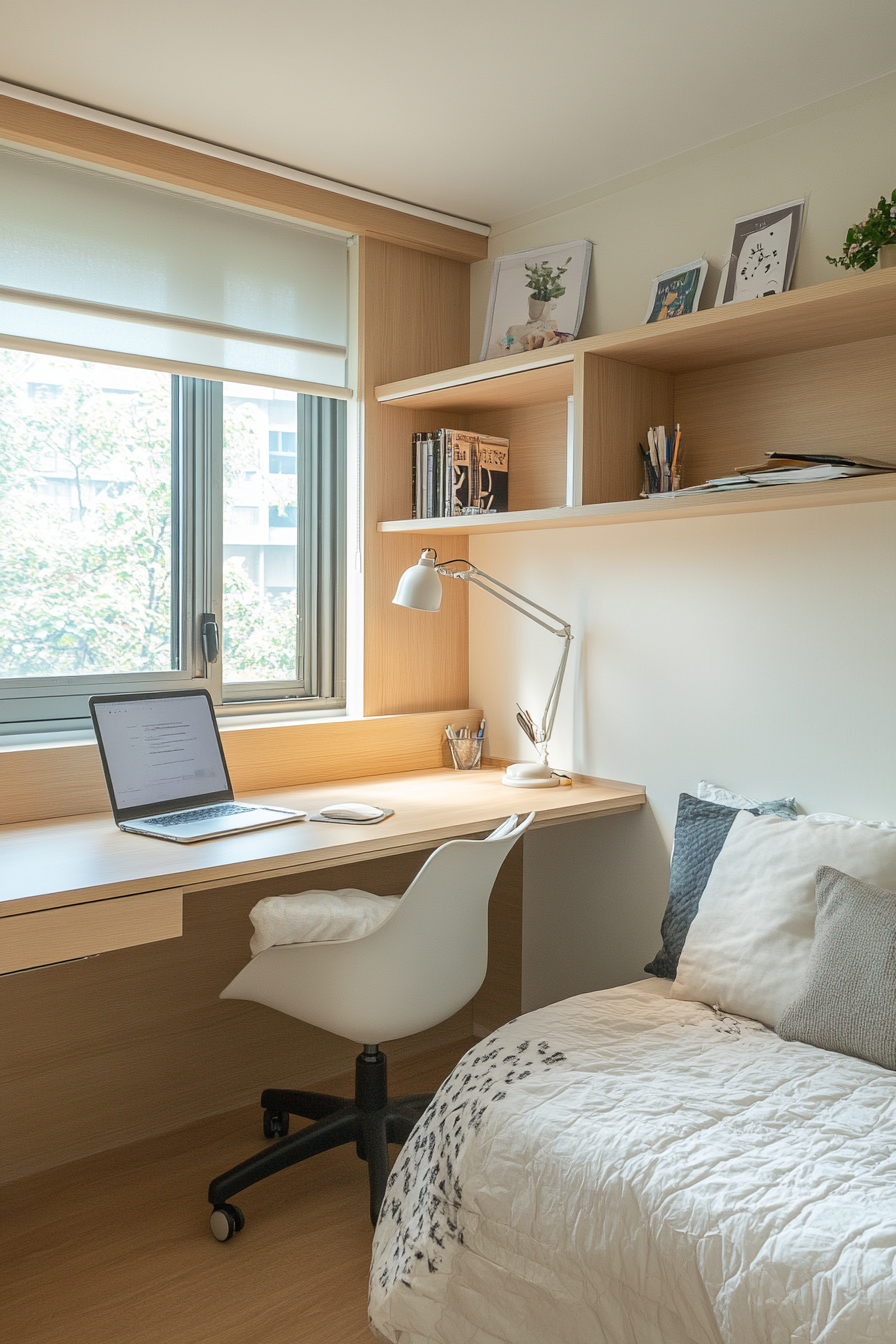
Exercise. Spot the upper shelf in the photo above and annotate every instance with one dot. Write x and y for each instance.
(853, 308)
(761, 499)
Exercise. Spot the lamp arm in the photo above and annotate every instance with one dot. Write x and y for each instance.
(474, 575)
(562, 630)
(507, 602)
(550, 709)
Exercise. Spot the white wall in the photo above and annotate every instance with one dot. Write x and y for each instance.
(839, 153)
(758, 651)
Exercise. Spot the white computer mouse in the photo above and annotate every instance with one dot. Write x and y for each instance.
(351, 811)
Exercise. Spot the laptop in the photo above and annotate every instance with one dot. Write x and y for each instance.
(165, 768)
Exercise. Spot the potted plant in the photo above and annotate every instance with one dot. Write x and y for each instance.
(544, 282)
(874, 237)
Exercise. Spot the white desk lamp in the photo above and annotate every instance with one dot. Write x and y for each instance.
(420, 589)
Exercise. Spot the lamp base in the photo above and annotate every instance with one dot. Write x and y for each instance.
(530, 775)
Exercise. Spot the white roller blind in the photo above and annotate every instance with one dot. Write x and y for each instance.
(99, 262)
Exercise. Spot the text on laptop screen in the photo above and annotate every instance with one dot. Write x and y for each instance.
(160, 749)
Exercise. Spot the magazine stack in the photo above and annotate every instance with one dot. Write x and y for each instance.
(454, 472)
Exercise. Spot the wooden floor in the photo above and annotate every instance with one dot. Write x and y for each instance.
(116, 1248)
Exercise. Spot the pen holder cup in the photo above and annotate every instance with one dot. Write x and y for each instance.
(466, 752)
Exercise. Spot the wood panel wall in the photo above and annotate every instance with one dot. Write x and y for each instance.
(840, 399)
(537, 437)
(413, 319)
(102, 1052)
(136, 1042)
(619, 403)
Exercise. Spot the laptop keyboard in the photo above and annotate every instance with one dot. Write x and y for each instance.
(198, 814)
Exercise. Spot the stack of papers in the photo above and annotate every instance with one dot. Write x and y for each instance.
(783, 476)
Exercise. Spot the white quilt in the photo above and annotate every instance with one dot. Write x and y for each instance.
(623, 1168)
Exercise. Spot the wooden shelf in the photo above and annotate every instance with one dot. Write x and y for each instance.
(761, 499)
(838, 312)
(807, 371)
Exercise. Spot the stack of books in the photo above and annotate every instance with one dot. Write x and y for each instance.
(454, 472)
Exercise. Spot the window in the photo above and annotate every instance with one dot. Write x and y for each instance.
(116, 536)
(172, 447)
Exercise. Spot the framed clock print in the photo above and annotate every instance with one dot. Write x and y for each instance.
(763, 253)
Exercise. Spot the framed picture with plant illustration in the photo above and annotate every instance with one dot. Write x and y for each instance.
(536, 298)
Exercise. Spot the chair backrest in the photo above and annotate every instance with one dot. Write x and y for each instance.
(421, 965)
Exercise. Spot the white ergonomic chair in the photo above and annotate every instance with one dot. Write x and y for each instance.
(423, 963)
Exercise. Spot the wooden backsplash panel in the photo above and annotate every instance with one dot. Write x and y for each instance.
(838, 400)
(67, 781)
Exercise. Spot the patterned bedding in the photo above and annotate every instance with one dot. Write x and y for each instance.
(622, 1168)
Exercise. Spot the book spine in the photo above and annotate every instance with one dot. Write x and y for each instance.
(494, 467)
(448, 476)
(437, 474)
(463, 453)
(415, 440)
(430, 462)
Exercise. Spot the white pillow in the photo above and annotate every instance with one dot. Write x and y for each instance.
(317, 917)
(714, 793)
(748, 947)
(825, 818)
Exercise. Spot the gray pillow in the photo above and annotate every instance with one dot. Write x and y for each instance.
(848, 999)
(701, 829)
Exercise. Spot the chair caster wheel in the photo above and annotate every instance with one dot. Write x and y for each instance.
(226, 1221)
(275, 1124)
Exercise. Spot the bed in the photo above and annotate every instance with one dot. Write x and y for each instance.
(630, 1168)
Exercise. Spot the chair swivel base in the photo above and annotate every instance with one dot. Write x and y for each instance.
(371, 1122)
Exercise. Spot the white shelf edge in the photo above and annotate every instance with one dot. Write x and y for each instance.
(489, 374)
(761, 499)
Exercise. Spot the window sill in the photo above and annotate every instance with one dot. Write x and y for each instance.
(227, 716)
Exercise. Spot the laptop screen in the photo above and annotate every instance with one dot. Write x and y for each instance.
(159, 749)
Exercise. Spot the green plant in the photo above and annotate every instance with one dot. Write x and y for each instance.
(864, 241)
(544, 281)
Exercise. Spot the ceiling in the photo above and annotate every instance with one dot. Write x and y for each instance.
(474, 107)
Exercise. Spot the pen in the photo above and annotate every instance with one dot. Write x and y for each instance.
(675, 451)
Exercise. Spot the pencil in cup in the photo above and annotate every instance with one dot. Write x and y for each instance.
(466, 749)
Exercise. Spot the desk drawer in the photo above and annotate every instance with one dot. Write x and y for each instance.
(71, 931)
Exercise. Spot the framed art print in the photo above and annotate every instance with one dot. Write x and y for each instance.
(763, 253)
(536, 298)
(677, 291)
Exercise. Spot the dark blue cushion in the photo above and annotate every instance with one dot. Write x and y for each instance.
(701, 830)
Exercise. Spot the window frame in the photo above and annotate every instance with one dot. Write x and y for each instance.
(197, 501)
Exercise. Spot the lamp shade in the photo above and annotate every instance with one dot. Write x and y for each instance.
(420, 586)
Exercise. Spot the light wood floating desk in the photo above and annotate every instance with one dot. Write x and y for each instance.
(79, 885)
(136, 1041)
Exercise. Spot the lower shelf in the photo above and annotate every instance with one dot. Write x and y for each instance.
(761, 499)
